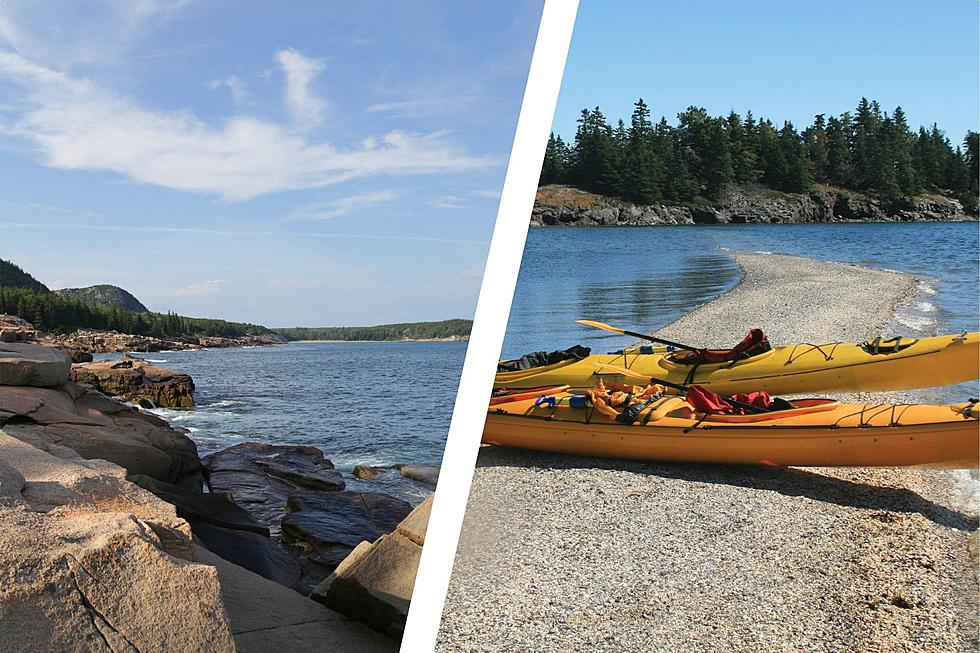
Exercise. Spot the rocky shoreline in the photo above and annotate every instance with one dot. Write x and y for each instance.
(566, 206)
(278, 514)
(563, 552)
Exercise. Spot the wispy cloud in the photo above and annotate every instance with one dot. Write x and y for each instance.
(235, 85)
(204, 289)
(315, 211)
(66, 33)
(487, 193)
(58, 209)
(307, 109)
(448, 202)
(429, 101)
(237, 232)
(76, 124)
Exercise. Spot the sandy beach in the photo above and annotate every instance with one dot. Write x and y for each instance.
(562, 553)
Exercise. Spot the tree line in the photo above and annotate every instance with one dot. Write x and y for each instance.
(868, 150)
(48, 311)
(456, 328)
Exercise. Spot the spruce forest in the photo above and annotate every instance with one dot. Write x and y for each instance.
(869, 150)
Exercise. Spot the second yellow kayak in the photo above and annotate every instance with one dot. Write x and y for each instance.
(870, 366)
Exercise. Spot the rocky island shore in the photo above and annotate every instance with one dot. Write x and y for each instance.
(107, 500)
(557, 205)
(562, 552)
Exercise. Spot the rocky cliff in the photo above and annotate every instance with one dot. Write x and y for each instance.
(133, 379)
(105, 295)
(567, 206)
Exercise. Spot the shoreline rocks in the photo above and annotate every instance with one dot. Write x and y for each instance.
(93, 562)
(557, 205)
(103, 503)
(107, 342)
(375, 582)
(133, 379)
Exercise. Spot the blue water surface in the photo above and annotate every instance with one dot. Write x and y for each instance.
(643, 278)
(369, 403)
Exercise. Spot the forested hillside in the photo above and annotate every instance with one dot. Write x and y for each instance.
(869, 150)
(404, 331)
(11, 276)
(22, 295)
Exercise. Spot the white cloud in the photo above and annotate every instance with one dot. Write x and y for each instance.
(76, 124)
(448, 202)
(67, 33)
(235, 85)
(307, 110)
(429, 101)
(488, 193)
(334, 208)
(203, 289)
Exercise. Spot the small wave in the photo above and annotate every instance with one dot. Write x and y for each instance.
(918, 322)
(763, 251)
(926, 289)
(925, 307)
(155, 360)
(224, 403)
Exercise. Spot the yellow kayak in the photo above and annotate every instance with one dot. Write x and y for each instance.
(873, 365)
(814, 432)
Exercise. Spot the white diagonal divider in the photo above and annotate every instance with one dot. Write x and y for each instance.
(489, 324)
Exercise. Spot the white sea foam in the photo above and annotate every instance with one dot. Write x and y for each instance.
(925, 307)
(926, 289)
(763, 251)
(224, 403)
(155, 360)
(917, 322)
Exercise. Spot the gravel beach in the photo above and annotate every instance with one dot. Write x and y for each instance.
(563, 553)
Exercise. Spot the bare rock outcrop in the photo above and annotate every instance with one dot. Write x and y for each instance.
(133, 379)
(91, 562)
(374, 583)
(92, 425)
(557, 205)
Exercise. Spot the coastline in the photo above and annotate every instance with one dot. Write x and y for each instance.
(629, 556)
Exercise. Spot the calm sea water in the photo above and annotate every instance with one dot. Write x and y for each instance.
(371, 403)
(645, 277)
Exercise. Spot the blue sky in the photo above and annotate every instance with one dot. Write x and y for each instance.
(309, 164)
(783, 60)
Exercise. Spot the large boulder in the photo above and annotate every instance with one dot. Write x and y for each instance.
(133, 379)
(374, 583)
(97, 427)
(91, 562)
(260, 477)
(27, 364)
(328, 525)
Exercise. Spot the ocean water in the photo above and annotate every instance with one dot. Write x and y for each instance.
(361, 403)
(643, 278)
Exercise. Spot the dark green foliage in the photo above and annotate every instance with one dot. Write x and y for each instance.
(405, 331)
(869, 150)
(50, 311)
(11, 276)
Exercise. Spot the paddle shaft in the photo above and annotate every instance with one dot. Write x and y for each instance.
(644, 336)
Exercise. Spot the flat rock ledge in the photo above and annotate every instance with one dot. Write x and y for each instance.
(133, 379)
